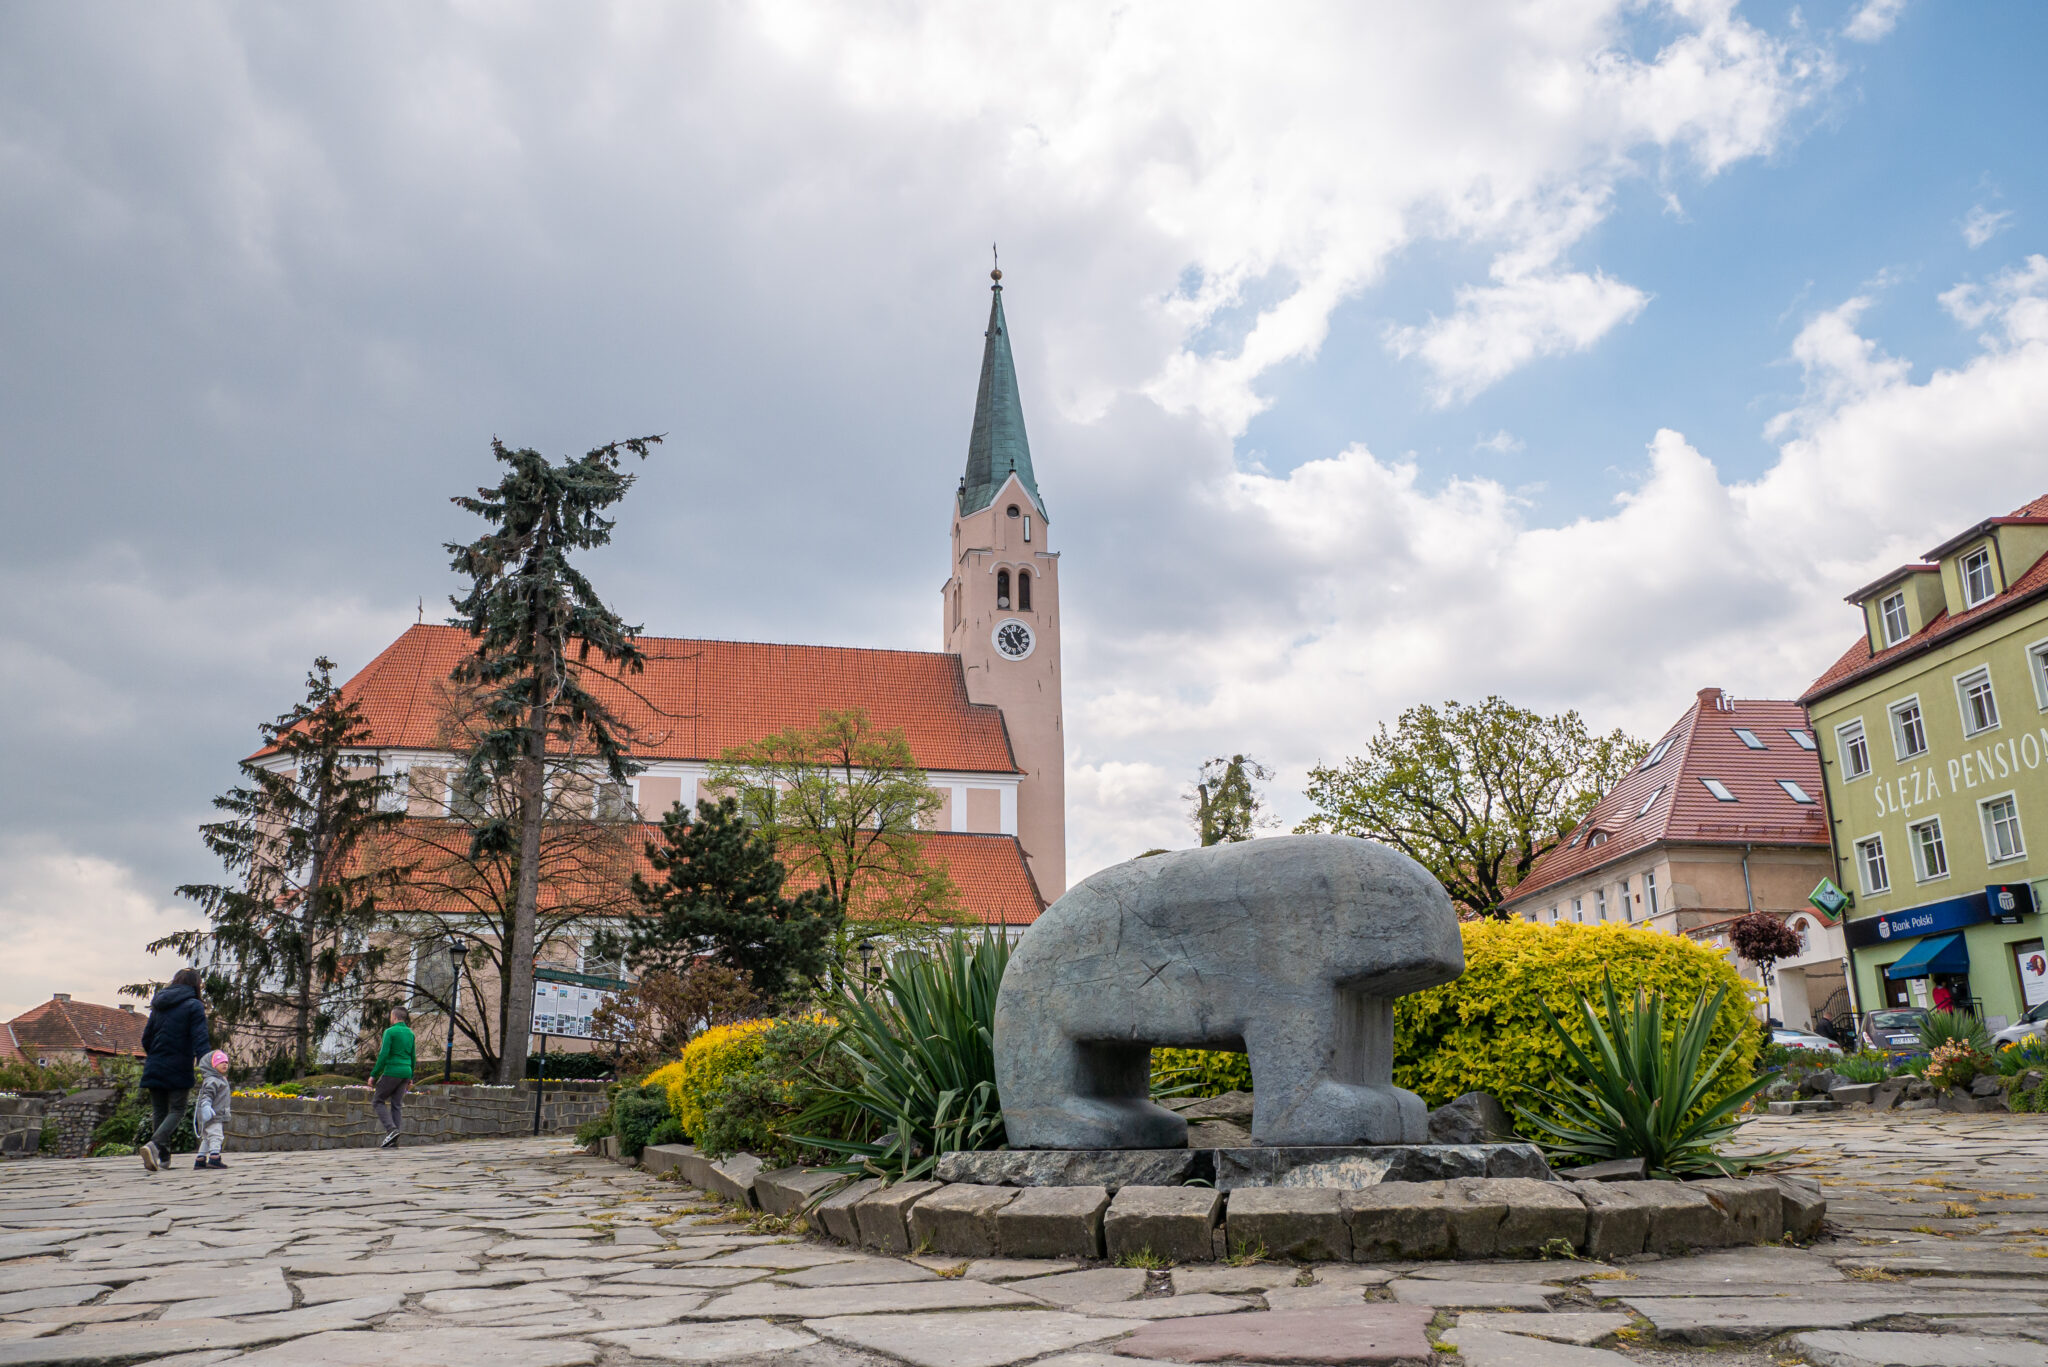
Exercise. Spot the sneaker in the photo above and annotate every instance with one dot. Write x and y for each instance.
(214, 1162)
(199, 1163)
(390, 1140)
(149, 1158)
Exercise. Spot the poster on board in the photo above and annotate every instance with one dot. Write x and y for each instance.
(565, 1008)
(2032, 962)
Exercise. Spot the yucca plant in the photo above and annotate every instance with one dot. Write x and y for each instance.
(923, 1043)
(1954, 1027)
(1644, 1097)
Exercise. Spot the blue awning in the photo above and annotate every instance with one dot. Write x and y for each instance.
(1935, 954)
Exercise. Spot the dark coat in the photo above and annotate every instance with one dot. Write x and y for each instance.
(174, 1038)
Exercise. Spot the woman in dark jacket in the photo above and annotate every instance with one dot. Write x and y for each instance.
(172, 1042)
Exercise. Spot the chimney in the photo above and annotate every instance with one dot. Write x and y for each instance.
(60, 996)
(129, 1007)
(1711, 697)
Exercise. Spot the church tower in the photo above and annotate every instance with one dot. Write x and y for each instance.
(1002, 603)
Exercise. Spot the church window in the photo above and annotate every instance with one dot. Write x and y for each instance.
(1013, 510)
(1027, 529)
(1002, 588)
(1024, 590)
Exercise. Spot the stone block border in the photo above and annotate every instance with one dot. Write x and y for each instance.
(1460, 1217)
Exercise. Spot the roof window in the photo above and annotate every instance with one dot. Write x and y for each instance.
(1658, 753)
(1802, 739)
(1598, 838)
(1749, 738)
(1649, 802)
(1794, 791)
(1718, 789)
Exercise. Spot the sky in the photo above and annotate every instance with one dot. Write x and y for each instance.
(1579, 351)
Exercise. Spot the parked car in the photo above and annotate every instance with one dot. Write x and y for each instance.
(1804, 1039)
(2033, 1025)
(1894, 1029)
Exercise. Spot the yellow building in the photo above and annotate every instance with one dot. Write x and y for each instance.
(1934, 743)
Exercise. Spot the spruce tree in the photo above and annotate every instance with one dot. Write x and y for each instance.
(291, 938)
(537, 622)
(721, 898)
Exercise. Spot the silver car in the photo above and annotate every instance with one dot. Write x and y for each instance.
(1894, 1029)
(2033, 1025)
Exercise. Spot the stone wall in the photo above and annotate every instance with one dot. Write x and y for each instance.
(433, 1115)
(77, 1116)
(21, 1125)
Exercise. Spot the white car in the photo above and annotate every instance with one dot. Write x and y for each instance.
(1804, 1039)
(2033, 1025)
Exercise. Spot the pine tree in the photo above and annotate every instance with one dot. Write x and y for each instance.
(537, 621)
(721, 898)
(292, 938)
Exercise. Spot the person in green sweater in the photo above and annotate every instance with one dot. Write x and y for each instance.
(392, 1074)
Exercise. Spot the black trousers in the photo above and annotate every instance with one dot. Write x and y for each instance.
(167, 1111)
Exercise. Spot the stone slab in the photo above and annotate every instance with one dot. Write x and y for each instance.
(1491, 1348)
(733, 1178)
(1352, 1168)
(785, 1191)
(664, 1158)
(835, 1214)
(969, 1340)
(421, 1348)
(1613, 1170)
(860, 1272)
(707, 1342)
(891, 1298)
(1053, 1222)
(960, 1219)
(1365, 1335)
(1173, 1222)
(1162, 1308)
(1098, 1284)
(1831, 1348)
(1306, 1224)
(1811, 1106)
(1113, 1169)
(1445, 1295)
(883, 1215)
(1399, 1220)
(1508, 1216)
(1582, 1327)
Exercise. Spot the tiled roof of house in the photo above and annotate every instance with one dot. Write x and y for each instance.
(1668, 802)
(697, 699)
(1858, 660)
(61, 1024)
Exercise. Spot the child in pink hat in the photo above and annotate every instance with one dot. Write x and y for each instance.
(210, 1112)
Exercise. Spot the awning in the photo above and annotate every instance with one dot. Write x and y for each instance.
(1935, 954)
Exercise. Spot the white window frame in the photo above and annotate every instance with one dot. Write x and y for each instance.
(1650, 802)
(1980, 553)
(1851, 738)
(1803, 739)
(1657, 754)
(1864, 847)
(1600, 905)
(397, 794)
(1964, 683)
(1918, 844)
(1650, 893)
(1749, 738)
(2037, 669)
(1899, 750)
(1628, 906)
(1796, 792)
(1884, 618)
(1984, 820)
(1579, 910)
(1721, 791)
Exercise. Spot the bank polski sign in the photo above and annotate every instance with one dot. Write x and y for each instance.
(1932, 919)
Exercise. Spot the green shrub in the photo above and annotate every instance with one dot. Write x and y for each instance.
(791, 1068)
(127, 1126)
(1954, 1027)
(597, 1127)
(705, 1062)
(667, 1132)
(636, 1115)
(1871, 1065)
(1199, 1072)
(1485, 1031)
(2013, 1059)
(567, 1067)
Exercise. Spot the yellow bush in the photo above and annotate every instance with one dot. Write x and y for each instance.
(706, 1061)
(1201, 1072)
(1483, 1032)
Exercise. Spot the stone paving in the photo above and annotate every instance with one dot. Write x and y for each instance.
(526, 1253)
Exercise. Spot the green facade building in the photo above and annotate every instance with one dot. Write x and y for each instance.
(1933, 731)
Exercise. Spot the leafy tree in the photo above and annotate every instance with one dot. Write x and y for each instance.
(1472, 793)
(844, 802)
(1226, 805)
(290, 939)
(653, 1019)
(537, 621)
(721, 898)
(1763, 939)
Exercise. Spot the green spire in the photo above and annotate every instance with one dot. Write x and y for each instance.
(998, 445)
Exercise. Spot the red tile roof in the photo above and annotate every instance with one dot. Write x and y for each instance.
(1858, 660)
(698, 699)
(59, 1025)
(1682, 810)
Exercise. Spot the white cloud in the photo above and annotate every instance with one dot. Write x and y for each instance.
(1874, 21)
(1501, 443)
(76, 923)
(2012, 299)
(1499, 328)
(1982, 225)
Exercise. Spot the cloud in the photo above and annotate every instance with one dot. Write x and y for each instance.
(76, 923)
(1501, 443)
(1497, 329)
(2012, 299)
(1982, 225)
(1874, 21)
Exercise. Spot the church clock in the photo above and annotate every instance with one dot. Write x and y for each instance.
(1013, 639)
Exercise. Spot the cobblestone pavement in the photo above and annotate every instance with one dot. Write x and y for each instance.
(528, 1254)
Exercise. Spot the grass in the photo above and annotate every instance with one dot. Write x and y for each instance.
(1870, 1274)
(950, 1273)
(1247, 1253)
(1146, 1259)
(1956, 1210)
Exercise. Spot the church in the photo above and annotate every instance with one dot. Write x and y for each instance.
(982, 714)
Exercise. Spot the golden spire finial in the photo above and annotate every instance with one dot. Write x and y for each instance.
(996, 274)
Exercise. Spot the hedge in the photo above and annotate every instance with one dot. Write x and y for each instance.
(705, 1062)
(1200, 1072)
(1484, 1033)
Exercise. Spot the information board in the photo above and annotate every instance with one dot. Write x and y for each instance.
(565, 1008)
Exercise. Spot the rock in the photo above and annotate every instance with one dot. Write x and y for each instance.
(1781, 1090)
(1114, 1169)
(1360, 1166)
(961, 1219)
(1919, 1089)
(662, 1158)
(1448, 1295)
(1053, 1222)
(1836, 1348)
(1399, 1220)
(1235, 1107)
(1474, 1118)
(1382, 1335)
(1506, 1216)
(1811, 1106)
(1478, 1347)
(1173, 1222)
(707, 1342)
(1096, 1285)
(1218, 1134)
(1626, 1218)
(1613, 1170)
(1801, 1207)
(953, 1340)
(1751, 1206)
(1854, 1093)
(1820, 1082)
(835, 1214)
(1889, 1093)
(1256, 937)
(883, 1215)
(734, 1178)
(1305, 1224)
(2032, 1080)
(1582, 1327)
(786, 1191)
(1990, 1084)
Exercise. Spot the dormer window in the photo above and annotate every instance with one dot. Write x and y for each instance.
(1003, 589)
(1975, 569)
(1892, 613)
(1023, 590)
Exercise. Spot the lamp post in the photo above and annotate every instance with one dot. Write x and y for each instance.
(865, 946)
(458, 950)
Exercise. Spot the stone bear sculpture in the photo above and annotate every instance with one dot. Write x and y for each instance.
(1291, 949)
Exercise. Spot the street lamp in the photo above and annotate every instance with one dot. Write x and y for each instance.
(865, 948)
(458, 950)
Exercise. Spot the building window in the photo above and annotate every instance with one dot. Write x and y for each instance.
(1802, 739)
(1628, 908)
(1597, 838)
(614, 802)
(1930, 855)
(1600, 904)
(1909, 729)
(1649, 802)
(1976, 571)
(397, 787)
(1870, 858)
(1003, 589)
(1718, 789)
(1794, 791)
(1853, 749)
(1027, 529)
(2002, 828)
(1014, 510)
(1980, 707)
(1749, 738)
(1658, 753)
(2037, 665)
(1893, 613)
(1579, 909)
(1553, 916)
(1650, 892)
(1024, 590)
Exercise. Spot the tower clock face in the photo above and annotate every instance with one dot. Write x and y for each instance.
(1013, 639)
